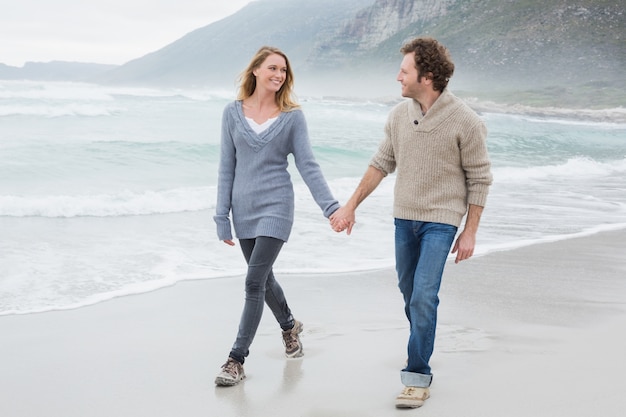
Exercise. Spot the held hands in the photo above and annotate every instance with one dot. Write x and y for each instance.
(342, 219)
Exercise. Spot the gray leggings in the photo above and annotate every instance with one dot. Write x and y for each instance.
(261, 286)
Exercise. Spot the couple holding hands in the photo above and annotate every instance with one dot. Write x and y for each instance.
(434, 143)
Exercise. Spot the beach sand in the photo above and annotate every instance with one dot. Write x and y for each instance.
(534, 331)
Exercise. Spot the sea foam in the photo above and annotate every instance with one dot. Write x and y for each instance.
(126, 203)
(578, 167)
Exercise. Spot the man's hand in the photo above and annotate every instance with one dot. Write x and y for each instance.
(342, 219)
(464, 246)
(466, 242)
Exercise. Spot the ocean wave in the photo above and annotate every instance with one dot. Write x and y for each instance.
(609, 116)
(35, 304)
(56, 110)
(126, 203)
(582, 167)
(60, 304)
(46, 91)
(199, 95)
(76, 91)
(521, 243)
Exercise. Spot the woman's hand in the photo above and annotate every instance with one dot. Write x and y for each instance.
(229, 242)
(343, 218)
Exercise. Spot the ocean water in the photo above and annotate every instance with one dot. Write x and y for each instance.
(108, 191)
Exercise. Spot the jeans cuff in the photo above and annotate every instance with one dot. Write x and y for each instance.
(412, 379)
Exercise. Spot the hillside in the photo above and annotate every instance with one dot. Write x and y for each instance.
(555, 50)
(215, 54)
(548, 52)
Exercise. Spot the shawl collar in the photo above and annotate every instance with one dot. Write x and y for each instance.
(441, 109)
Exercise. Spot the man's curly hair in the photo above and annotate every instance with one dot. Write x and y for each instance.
(431, 57)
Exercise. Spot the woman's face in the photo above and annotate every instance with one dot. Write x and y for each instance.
(272, 73)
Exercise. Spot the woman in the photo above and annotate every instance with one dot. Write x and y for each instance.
(259, 130)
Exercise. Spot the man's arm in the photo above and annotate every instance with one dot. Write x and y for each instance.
(466, 242)
(344, 217)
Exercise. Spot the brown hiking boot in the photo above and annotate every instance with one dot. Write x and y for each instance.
(231, 373)
(291, 339)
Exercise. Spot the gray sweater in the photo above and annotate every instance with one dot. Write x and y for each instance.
(441, 159)
(253, 181)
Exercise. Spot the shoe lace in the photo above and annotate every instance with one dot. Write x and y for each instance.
(290, 340)
(414, 392)
(231, 367)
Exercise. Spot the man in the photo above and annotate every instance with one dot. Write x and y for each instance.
(437, 146)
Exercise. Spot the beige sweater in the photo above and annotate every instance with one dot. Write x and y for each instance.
(442, 161)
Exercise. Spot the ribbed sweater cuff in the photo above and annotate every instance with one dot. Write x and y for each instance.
(224, 230)
(331, 209)
(477, 198)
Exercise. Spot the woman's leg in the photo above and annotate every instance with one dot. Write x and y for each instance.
(275, 299)
(260, 254)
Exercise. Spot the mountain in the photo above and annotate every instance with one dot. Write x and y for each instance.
(496, 44)
(571, 51)
(215, 54)
(352, 46)
(532, 42)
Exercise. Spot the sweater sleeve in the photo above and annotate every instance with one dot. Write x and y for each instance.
(309, 168)
(226, 176)
(384, 159)
(476, 164)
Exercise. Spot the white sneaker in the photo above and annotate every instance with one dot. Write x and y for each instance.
(412, 397)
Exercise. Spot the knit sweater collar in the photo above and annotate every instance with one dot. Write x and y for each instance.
(258, 140)
(442, 108)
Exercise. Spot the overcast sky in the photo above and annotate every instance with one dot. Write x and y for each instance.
(100, 31)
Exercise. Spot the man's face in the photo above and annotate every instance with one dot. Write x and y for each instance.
(407, 77)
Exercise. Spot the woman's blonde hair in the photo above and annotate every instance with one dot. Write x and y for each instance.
(285, 99)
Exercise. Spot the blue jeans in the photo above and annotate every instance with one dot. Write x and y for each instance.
(421, 252)
(261, 288)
